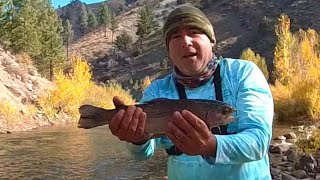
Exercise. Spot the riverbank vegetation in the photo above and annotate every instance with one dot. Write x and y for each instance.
(296, 72)
(296, 76)
(75, 88)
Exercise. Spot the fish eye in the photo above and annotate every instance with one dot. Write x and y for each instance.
(226, 110)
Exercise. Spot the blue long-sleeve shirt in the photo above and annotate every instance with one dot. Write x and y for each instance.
(241, 155)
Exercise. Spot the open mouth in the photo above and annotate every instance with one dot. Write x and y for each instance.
(190, 55)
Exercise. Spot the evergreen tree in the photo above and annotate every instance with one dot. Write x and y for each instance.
(2, 5)
(33, 27)
(92, 20)
(113, 26)
(83, 19)
(25, 34)
(104, 15)
(123, 41)
(52, 56)
(146, 22)
(9, 9)
(67, 35)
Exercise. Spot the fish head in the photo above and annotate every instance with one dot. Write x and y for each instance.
(220, 116)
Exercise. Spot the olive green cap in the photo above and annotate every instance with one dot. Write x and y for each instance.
(187, 15)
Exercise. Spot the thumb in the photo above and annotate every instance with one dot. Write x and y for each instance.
(117, 101)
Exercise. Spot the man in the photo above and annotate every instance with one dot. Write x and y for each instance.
(238, 152)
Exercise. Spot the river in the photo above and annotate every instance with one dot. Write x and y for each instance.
(67, 152)
(71, 153)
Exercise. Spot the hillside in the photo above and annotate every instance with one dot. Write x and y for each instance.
(72, 11)
(238, 25)
(20, 87)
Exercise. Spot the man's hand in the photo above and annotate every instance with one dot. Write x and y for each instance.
(191, 135)
(129, 125)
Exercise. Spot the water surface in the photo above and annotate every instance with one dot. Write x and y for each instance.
(71, 153)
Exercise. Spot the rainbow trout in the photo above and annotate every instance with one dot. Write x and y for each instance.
(159, 112)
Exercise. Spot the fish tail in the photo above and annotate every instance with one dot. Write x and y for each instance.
(91, 116)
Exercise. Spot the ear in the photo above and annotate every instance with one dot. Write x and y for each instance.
(212, 46)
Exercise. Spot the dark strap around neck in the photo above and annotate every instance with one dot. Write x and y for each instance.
(222, 130)
(217, 86)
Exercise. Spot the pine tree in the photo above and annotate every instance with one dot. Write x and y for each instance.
(92, 20)
(113, 26)
(33, 27)
(67, 35)
(123, 41)
(52, 56)
(104, 15)
(83, 19)
(10, 9)
(146, 22)
(24, 33)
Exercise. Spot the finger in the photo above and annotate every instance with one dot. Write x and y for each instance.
(170, 133)
(133, 124)
(116, 120)
(117, 101)
(183, 124)
(141, 128)
(194, 121)
(178, 134)
(126, 122)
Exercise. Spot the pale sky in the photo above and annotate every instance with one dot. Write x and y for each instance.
(62, 3)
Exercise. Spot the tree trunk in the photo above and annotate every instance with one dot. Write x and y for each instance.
(67, 50)
(105, 31)
(51, 71)
(112, 37)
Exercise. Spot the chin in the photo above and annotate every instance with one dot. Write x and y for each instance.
(192, 72)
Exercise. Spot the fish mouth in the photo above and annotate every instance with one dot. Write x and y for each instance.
(190, 55)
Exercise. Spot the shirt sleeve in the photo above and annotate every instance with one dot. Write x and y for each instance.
(254, 115)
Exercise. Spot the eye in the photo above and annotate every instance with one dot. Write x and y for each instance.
(175, 36)
(226, 110)
(196, 31)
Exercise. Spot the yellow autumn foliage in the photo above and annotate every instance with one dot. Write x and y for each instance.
(69, 91)
(8, 111)
(282, 54)
(298, 75)
(76, 88)
(145, 83)
(250, 55)
(102, 95)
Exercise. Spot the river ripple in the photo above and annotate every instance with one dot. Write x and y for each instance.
(71, 153)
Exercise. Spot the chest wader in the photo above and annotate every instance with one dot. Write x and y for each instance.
(221, 130)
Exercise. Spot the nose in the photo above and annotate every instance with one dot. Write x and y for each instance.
(186, 41)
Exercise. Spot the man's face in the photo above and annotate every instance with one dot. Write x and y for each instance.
(190, 50)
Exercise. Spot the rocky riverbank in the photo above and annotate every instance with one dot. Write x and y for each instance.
(287, 162)
(20, 88)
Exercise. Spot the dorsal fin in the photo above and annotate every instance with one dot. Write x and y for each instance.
(157, 100)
